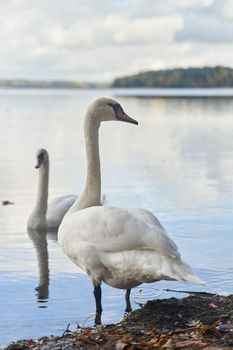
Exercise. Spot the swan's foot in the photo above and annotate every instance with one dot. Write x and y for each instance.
(127, 300)
(98, 293)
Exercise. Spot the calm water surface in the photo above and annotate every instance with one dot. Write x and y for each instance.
(178, 163)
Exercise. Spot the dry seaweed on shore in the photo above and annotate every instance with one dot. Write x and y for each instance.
(194, 322)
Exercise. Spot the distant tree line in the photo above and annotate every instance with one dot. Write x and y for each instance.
(43, 84)
(179, 78)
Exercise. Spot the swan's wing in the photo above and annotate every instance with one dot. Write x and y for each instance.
(149, 218)
(146, 216)
(57, 208)
(112, 229)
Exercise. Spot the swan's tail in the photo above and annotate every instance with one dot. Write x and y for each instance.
(181, 271)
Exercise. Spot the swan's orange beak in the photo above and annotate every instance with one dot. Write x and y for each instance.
(122, 116)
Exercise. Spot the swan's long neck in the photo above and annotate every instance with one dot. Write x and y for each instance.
(42, 194)
(92, 191)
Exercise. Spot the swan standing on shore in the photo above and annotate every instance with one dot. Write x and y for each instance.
(47, 216)
(121, 247)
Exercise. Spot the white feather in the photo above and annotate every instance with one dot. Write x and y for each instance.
(121, 247)
(57, 208)
(115, 246)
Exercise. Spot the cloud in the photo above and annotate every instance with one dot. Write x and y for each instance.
(208, 24)
(89, 40)
(139, 31)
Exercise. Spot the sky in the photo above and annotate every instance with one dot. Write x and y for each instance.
(99, 40)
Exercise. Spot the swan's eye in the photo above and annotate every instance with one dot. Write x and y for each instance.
(115, 107)
(40, 157)
(40, 160)
(121, 115)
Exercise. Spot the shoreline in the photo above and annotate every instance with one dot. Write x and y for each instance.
(195, 322)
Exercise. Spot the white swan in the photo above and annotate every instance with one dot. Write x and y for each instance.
(121, 247)
(47, 215)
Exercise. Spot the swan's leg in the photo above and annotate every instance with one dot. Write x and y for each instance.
(97, 293)
(127, 300)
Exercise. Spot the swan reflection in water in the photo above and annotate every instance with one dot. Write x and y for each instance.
(39, 240)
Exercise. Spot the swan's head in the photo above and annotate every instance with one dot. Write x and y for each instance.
(104, 109)
(42, 158)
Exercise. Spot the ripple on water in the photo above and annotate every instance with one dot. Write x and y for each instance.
(141, 295)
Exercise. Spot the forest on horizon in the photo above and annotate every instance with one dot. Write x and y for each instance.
(179, 78)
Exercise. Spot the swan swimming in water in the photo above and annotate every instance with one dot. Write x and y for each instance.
(120, 247)
(45, 215)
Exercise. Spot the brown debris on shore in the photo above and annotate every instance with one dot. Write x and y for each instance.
(201, 321)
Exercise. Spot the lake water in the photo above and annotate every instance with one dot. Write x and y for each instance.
(178, 162)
